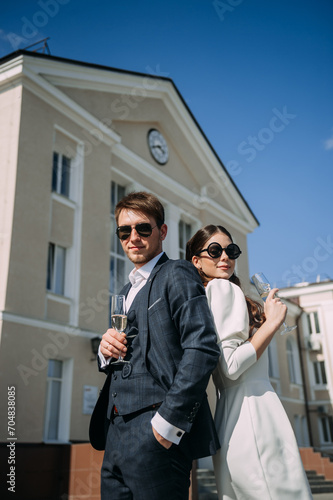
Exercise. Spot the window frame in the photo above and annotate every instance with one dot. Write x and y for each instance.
(53, 279)
(184, 234)
(313, 323)
(325, 423)
(61, 174)
(117, 256)
(291, 362)
(63, 405)
(319, 373)
(49, 412)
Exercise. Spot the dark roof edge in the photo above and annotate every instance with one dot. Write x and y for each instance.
(20, 52)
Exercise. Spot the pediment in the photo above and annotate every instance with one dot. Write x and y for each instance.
(124, 106)
(131, 118)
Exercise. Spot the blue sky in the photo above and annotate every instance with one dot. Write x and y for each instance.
(238, 64)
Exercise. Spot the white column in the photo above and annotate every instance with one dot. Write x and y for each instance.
(73, 261)
(171, 243)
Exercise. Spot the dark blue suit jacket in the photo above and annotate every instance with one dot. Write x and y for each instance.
(178, 340)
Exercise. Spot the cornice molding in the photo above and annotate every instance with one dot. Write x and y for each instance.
(43, 76)
(58, 73)
(16, 70)
(306, 289)
(46, 325)
(184, 194)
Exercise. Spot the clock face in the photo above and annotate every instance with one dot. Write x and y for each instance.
(158, 146)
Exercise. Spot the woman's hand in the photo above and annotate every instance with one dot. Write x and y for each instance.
(275, 310)
(113, 344)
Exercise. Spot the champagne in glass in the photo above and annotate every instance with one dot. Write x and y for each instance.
(119, 322)
(263, 287)
(118, 316)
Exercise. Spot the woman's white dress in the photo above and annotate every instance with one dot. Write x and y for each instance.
(259, 457)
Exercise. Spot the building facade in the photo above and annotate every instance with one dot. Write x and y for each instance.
(75, 138)
(316, 354)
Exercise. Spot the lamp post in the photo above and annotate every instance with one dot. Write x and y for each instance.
(95, 341)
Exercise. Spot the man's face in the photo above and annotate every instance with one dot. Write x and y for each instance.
(138, 249)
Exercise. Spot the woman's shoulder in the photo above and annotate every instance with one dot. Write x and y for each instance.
(223, 286)
(228, 305)
(223, 291)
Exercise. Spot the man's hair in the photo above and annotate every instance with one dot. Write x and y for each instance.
(143, 202)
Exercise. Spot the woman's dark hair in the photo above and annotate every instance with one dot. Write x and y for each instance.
(197, 243)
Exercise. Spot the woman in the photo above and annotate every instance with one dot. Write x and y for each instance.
(259, 457)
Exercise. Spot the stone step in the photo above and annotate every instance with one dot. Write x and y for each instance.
(322, 489)
(207, 486)
(316, 482)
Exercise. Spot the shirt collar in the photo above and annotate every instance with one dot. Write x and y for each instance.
(143, 272)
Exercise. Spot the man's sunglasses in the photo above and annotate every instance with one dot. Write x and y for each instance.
(215, 250)
(144, 229)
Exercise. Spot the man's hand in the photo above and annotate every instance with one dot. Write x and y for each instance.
(113, 344)
(164, 442)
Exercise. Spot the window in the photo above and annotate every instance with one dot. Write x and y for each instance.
(54, 386)
(301, 430)
(273, 365)
(184, 231)
(291, 362)
(270, 369)
(117, 256)
(56, 269)
(326, 429)
(58, 400)
(61, 174)
(313, 322)
(319, 372)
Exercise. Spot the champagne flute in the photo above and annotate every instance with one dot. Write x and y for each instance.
(118, 316)
(263, 287)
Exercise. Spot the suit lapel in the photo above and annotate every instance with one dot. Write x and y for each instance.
(144, 304)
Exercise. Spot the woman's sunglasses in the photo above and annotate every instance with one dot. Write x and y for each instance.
(144, 229)
(215, 250)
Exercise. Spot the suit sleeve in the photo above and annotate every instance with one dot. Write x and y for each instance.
(198, 353)
(228, 306)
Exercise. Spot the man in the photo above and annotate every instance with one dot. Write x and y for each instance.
(152, 415)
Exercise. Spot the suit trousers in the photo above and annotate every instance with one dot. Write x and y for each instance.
(137, 467)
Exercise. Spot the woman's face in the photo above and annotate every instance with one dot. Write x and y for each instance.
(220, 267)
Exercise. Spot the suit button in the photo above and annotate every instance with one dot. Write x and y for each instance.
(114, 394)
(196, 405)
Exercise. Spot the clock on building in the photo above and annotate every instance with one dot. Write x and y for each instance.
(158, 146)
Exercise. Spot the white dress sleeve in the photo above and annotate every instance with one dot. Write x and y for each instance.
(227, 303)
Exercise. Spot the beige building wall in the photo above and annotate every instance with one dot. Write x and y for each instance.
(317, 348)
(78, 115)
(10, 119)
